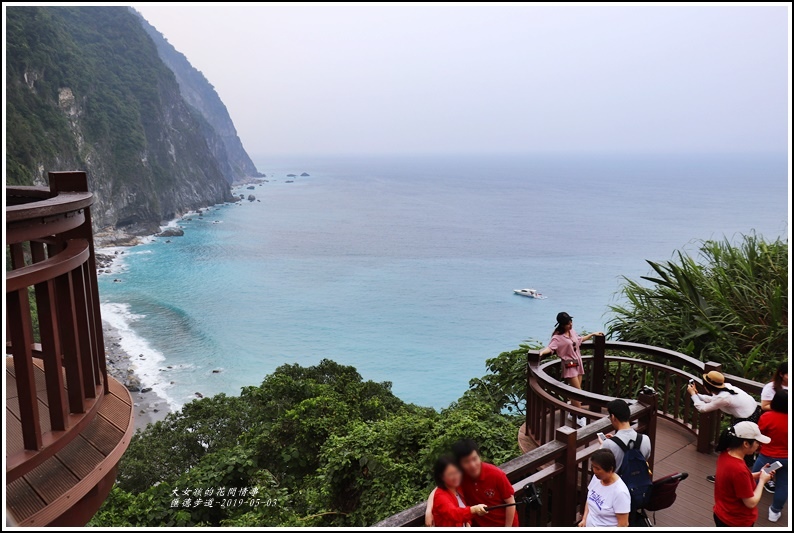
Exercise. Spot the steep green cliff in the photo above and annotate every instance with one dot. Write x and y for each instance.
(86, 89)
(220, 133)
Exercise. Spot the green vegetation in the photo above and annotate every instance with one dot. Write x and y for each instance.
(322, 447)
(728, 305)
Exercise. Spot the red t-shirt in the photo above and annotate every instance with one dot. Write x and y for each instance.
(492, 488)
(775, 426)
(734, 483)
(447, 511)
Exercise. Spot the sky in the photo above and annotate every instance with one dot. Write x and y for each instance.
(320, 80)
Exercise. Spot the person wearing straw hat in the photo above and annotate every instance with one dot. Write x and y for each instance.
(737, 490)
(722, 396)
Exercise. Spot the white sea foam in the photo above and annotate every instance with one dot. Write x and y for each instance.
(119, 316)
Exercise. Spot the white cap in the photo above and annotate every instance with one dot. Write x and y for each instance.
(749, 430)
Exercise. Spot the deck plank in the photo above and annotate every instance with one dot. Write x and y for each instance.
(22, 500)
(693, 507)
(51, 479)
(80, 457)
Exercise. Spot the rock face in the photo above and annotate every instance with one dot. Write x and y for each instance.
(220, 132)
(96, 96)
(171, 232)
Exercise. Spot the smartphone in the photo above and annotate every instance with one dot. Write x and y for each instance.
(604, 437)
(771, 468)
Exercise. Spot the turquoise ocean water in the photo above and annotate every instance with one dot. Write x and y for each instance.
(405, 267)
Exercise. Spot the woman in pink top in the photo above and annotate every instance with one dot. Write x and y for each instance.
(565, 342)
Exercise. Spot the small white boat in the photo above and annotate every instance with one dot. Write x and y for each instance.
(530, 293)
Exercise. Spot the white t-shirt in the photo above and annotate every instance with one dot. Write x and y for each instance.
(605, 502)
(739, 405)
(768, 392)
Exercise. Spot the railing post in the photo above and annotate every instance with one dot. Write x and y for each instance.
(597, 370)
(707, 421)
(78, 182)
(533, 360)
(649, 421)
(567, 510)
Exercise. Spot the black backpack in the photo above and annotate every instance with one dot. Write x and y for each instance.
(635, 472)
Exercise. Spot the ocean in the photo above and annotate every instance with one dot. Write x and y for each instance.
(404, 267)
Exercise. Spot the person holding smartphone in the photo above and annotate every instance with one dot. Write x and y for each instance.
(566, 343)
(737, 490)
(774, 424)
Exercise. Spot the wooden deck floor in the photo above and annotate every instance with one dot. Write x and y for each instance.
(676, 452)
(64, 478)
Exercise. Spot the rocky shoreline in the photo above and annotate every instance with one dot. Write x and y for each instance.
(147, 406)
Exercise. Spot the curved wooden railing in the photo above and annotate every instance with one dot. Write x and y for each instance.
(622, 374)
(48, 234)
(57, 378)
(560, 471)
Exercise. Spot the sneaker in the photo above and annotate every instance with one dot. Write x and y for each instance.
(773, 516)
(581, 421)
(711, 479)
(769, 486)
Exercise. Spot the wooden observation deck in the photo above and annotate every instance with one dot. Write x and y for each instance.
(557, 452)
(67, 422)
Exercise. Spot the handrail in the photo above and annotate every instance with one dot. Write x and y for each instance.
(75, 254)
(646, 349)
(62, 202)
(543, 407)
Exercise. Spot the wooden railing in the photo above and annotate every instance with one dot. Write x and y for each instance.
(52, 315)
(559, 470)
(559, 467)
(622, 374)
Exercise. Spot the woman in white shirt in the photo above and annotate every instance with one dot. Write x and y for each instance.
(724, 397)
(608, 498)
(779, 382)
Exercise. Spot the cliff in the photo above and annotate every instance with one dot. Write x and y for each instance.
(86, 89)
(219, 130)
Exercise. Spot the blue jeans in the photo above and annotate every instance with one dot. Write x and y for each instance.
(781, 480)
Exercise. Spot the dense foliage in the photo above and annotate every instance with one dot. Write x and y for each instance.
(729, 305)
(320, 445)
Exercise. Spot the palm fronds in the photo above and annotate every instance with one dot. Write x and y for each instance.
(729, 305)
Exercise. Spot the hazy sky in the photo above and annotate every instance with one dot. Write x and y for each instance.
(489, 79)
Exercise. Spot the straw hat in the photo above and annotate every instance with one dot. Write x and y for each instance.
(714, 379)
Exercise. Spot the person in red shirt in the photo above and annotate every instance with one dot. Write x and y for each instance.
(487, 484)
(449, 507)
(774, 424)
(737, 491)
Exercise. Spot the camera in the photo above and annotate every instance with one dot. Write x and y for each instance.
(691, 381)
(531, 496)
(647, 391)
